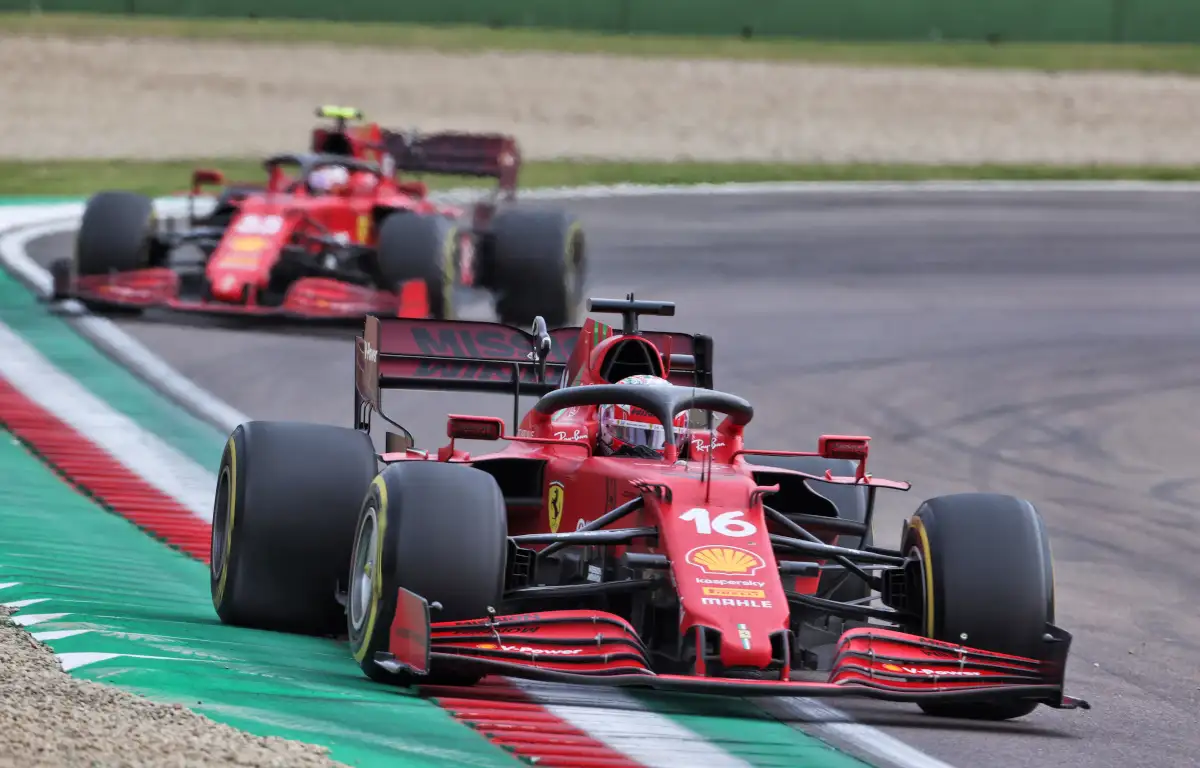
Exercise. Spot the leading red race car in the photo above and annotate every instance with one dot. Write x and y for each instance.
(334, 233)
(694, 563)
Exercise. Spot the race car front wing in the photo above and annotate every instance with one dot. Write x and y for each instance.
(596, 648)
(309, 298)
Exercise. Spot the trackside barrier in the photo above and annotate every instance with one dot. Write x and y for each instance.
(1146, 21)
(1006, 21)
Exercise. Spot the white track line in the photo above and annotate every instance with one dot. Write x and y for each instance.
(872, 741)
(625, 724)
(157, 463)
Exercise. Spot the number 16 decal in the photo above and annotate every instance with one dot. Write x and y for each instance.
(725, 524)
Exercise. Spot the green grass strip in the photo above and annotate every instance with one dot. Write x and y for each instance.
(83, 177)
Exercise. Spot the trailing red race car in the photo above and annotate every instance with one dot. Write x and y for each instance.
(334, 233)
(621, 539)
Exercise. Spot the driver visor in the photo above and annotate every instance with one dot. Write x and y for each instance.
(649, 434)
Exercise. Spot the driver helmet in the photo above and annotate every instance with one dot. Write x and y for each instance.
(631, 431)
(329, 179)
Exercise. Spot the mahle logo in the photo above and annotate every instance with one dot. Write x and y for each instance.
(370, 353)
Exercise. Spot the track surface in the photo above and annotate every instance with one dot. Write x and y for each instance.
(1045, 345)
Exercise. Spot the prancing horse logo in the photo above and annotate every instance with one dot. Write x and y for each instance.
(555, 504)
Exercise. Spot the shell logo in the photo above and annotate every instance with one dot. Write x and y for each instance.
(486, 646)
(729, 561)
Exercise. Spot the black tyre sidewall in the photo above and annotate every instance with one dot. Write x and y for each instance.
(296, 491)
(115, 233)
(413, 246)
(444, 534)
(539, 265)
(989, 560)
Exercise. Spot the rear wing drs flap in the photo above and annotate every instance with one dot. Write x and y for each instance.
(484, 155)
(467, 356)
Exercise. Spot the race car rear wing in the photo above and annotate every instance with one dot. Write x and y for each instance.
(483, 155)
(468, 356)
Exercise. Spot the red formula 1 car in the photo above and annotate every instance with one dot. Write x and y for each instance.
(334, 233)
(713, 567)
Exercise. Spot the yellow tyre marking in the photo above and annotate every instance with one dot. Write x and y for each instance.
(360, 652)
(927, 560)
(220, 596)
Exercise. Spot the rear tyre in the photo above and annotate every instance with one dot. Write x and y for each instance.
(539, 264)
(417, 247)
(437, 530)
(287, 499)
(984, 560)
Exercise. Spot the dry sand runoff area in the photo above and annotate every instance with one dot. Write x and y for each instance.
(162, 98)
(48, 718)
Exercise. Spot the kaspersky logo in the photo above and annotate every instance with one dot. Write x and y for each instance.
(725, 561)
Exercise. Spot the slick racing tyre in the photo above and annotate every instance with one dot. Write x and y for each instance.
(116, 233)
(437, 530)
(538, 267)
(287, 498)
(987, 582)
(413, 246)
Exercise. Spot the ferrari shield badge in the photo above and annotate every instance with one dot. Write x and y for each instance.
(554, 505)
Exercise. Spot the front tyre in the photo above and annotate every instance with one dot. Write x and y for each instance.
(414, 246)
(437, 530)
(115, 234)
(988, 582)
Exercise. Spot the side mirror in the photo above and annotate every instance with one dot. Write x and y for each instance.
(474, 428)
(202, 177)
(851, 447)
(394, 442)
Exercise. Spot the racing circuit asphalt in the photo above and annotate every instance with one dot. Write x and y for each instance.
(1040, 344)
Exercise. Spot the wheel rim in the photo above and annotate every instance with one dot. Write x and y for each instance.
(365, 571)
(220, 524)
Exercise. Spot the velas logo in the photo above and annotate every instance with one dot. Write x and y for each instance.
(725, 561)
